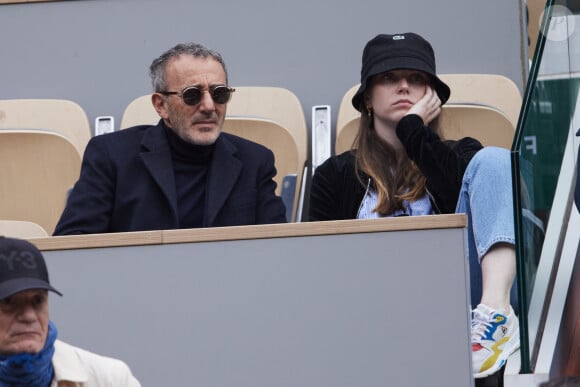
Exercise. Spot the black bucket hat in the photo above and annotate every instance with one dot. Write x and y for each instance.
(401, 51)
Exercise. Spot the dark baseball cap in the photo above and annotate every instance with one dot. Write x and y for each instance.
(395, 52)
(22, 267)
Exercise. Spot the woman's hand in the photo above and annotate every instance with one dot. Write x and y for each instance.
(427, 107)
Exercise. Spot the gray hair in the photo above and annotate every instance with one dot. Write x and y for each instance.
(158, 66)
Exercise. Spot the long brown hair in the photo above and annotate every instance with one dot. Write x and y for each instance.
(395, 176)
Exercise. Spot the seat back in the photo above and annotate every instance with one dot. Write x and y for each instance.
(21, 229)
(273, 136)
(493, 90)
(490, 126)
(282, 107)
(346, 122)
(273, 103)
(140, 111)
(275, 112)
(473, 99)
(280, 141)
(37, 168)
(57, 115)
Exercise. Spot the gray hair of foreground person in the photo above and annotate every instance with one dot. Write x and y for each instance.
(30, 354)
(158, 66)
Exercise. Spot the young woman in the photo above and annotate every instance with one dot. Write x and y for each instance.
(399, 165)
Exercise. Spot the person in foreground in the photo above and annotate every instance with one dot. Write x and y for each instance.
(399, 165)
(30, 353)
(181, 173)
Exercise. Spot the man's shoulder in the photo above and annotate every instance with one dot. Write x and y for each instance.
(76, 364)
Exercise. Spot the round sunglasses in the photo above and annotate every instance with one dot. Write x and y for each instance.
(192, 95)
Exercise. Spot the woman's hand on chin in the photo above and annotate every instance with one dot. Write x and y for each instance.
(428, 107)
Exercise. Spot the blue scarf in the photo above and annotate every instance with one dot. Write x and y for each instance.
(24, 369)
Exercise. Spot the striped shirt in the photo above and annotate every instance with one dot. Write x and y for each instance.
(421, 206)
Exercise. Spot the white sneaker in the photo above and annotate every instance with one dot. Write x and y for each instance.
(494, 337)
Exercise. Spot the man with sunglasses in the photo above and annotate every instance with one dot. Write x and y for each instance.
(183, 172)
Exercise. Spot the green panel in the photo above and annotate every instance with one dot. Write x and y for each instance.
(546, 131)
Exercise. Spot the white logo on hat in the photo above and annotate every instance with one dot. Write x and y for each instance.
(398, 37)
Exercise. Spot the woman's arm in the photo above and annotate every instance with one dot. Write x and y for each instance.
(442, 162)
(323, 193)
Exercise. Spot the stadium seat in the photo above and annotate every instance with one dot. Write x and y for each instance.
(37, 168)
(140, 111)
(346, 122)
(488, 125)
(56, 115)
(479, 103)
(280, 141)
(21, 229)
(493, 90)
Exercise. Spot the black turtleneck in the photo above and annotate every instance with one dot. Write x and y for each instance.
(190, 166)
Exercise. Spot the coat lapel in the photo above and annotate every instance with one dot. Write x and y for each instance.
(156, 156)
(224, 172)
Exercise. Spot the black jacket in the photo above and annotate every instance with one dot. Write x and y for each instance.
(127, 184)
(336, 193)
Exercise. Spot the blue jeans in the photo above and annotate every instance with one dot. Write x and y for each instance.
(486, 197)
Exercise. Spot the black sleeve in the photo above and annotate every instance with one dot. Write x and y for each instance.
(90, 203)
(335, 192)
(270, 207)
(442, 162)
(324, 193)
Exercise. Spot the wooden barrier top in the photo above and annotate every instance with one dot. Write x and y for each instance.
(250, 232)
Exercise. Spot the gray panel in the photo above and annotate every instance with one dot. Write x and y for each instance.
(376, 309)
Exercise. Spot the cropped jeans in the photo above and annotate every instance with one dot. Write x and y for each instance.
(486, 197)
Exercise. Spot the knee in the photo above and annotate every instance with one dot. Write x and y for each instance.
(493, 159)
(492, 154)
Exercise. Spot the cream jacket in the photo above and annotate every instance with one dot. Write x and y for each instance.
(75, 367)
